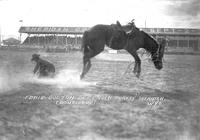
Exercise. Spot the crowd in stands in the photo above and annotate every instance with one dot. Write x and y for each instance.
(53, 42)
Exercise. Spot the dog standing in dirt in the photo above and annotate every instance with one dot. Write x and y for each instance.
(43, 68)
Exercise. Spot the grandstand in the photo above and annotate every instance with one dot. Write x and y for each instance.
(51, 41)
(178, 38)
(49, 38)
(70, 37)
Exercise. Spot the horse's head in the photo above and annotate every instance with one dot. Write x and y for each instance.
(157, 57)
(155, 48)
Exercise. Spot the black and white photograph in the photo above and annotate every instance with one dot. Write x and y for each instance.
(99, 70)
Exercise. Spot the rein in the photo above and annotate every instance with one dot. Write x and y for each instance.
(156, 55)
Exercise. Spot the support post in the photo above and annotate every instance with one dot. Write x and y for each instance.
(29, 39)
(76, 40)
(38, 40)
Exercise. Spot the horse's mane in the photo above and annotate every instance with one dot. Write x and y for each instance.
(149, 36)
(149, 47)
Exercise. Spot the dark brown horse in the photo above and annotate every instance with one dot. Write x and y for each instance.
(115, 37)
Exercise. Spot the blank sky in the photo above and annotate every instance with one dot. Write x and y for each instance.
(86, 13)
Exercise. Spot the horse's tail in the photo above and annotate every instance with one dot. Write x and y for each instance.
(84, 45)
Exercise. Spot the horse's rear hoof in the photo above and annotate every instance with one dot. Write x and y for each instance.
(81, 76)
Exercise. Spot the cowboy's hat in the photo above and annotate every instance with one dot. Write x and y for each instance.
(35, 57)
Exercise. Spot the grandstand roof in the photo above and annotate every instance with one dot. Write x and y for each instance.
(80, 30)
(52, 30)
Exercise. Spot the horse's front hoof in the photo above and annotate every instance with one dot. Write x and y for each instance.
(135, 71)
(137, 74)
(81, 76)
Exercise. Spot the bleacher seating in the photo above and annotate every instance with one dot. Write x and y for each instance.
(51, 40)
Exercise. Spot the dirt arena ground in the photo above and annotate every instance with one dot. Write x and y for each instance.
(108, 104)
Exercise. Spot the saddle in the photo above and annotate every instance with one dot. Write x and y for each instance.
(132, 32)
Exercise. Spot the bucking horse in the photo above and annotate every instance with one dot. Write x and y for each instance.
(117, 37)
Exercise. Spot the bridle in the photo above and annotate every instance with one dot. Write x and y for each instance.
(156, 55)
